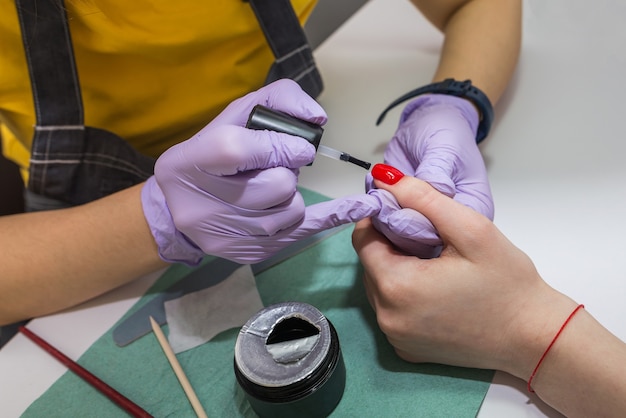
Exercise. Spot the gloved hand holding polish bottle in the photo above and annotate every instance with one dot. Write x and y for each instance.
(230, 191)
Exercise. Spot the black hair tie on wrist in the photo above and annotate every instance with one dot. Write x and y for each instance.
(463, 89)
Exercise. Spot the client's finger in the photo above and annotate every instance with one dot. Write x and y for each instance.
(454, 221)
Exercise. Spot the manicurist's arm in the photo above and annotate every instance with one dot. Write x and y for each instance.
(442, 122)
(55, 259)
(482, 40)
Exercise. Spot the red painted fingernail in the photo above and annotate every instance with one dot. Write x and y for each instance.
(386, 173)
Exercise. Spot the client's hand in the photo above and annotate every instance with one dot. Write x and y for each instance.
(480, 304)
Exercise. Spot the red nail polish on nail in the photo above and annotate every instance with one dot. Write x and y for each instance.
(387, 173)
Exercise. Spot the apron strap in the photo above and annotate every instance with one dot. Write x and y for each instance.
(50, 56)
(286, 38)
(70, 163)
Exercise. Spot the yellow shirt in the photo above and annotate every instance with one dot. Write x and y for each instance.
(151, 71)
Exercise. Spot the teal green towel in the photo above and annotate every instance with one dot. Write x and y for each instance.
(327, 276)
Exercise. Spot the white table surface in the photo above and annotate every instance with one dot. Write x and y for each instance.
(555, 161)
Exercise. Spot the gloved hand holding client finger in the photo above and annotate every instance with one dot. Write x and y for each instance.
(436, 141)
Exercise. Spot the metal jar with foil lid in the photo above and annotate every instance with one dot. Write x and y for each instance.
(288, 362)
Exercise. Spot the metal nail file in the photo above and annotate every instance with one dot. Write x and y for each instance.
(263, 117)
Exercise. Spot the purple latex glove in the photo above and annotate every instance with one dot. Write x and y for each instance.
(231, 192)
(435, 142)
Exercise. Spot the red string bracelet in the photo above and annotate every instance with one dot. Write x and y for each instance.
(545, 353)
